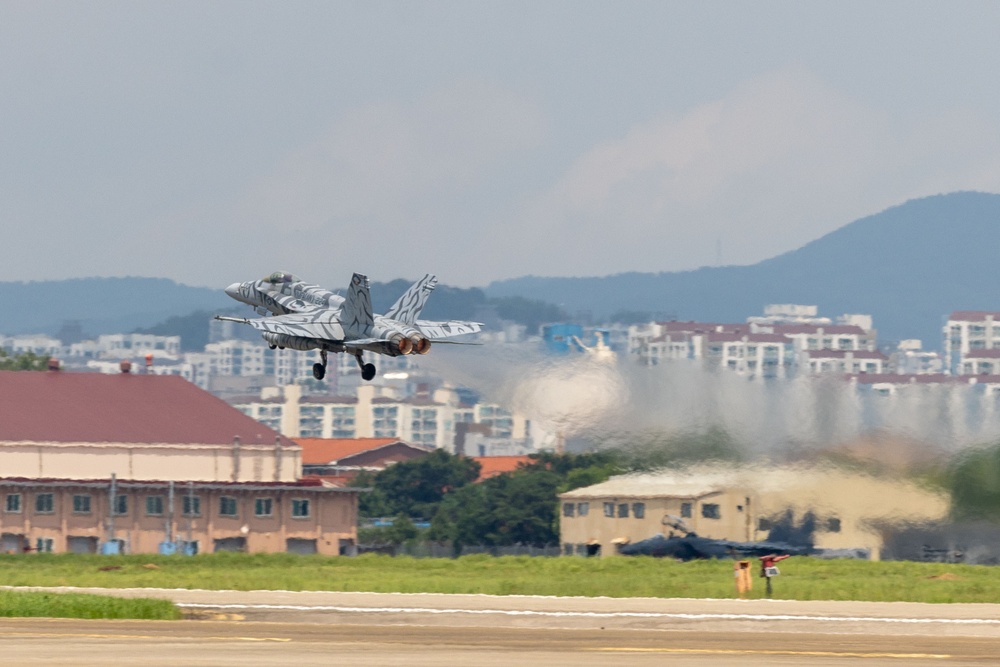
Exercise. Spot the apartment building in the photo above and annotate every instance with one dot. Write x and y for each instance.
(807, 337)
(656, 342)
(774, 345)
(380, 412)
(967, 331)
(754, 354)
(851, 362)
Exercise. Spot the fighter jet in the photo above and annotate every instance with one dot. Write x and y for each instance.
(302, 316)
(691, 547)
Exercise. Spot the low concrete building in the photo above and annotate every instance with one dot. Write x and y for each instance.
(847, 510)
(48, 515)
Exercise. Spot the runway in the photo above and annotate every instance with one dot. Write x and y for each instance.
(313, 628)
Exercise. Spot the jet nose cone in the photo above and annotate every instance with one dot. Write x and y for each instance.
(234, 290)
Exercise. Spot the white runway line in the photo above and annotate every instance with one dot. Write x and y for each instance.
(589, 614)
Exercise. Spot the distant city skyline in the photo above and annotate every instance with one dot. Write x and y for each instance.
(215, 142)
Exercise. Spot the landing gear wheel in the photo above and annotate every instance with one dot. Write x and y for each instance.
(368, 371)
(319, 371)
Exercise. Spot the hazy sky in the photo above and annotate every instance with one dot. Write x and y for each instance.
(214, 141)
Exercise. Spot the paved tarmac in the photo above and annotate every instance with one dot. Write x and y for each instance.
(280, 628)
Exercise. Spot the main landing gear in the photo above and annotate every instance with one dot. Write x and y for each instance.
(319, 369)
(367, 370)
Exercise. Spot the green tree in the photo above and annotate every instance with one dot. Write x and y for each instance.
(520, 507)
(401, 531)
(465, 517)
(974, 483)
(26, 361)
(415, 488)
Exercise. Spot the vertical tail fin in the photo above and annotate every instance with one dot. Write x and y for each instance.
(356, 313)
(407, 308)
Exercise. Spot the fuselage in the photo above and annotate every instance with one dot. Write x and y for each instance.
(283, 293)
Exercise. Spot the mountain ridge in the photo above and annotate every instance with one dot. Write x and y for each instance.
(908, 266)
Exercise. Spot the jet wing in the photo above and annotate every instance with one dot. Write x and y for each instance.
(322, 325)
(437, 332)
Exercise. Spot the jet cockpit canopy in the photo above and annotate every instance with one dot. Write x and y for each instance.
(279, 277)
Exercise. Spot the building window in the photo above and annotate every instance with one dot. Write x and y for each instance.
(263, 507)
(764, 524)
(685, 510)
(569, 509)
(154, 505)
(44, 503)
(300, 508)
(227, 506)
(81, 504)
(623, 511)
(711, 511)
(121, 505)
(833, 525)
(609, 509)
(583, 509)
(192, 506)
(43, 545)
(12, 503)
(639, 510)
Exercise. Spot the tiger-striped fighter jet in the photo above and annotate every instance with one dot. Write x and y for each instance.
(301, 316)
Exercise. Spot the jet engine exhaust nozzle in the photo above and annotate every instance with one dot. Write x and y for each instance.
(421, 346)
(403, 344)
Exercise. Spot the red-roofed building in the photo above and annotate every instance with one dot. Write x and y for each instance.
(981, 362)
(808, 337)
(345, 458)
(184, 463)
(491, 466)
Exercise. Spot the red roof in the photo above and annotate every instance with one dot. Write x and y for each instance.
(674, 326)
(827, 329)
(58, 406)
(317, 398)
(491, 466)
(907, 378)
(972, 316)
(842, 354)
(747, 337)
(322, 451)
(983, 354)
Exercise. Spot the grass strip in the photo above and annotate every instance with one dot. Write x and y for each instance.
(801, 578)
(78, 605)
